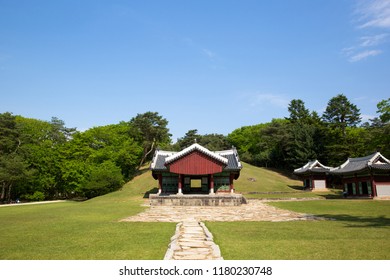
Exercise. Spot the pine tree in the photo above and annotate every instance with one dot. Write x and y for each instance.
(341, 113)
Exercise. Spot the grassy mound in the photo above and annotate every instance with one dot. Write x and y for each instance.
(258, 182)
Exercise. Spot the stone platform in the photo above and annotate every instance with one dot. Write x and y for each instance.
(196, 200)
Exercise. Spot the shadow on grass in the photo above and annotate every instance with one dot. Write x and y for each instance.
(142, 170)
(358, 222)
(298, 188)
(151, 191)
(284, 172)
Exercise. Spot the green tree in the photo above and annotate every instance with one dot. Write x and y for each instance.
(42, 152)
(12, 171)
(151, 130)
(298, 111)
(384, 110)
(110, 142)
(102, 179)
(341, 113)
(189, 138)
(9, 136)
(301, 145)
(215, 142)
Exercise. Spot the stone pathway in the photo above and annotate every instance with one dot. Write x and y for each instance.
(255, 210)
(193, 241)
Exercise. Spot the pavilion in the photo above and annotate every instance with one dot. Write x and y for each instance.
(314, 175)
(196, 170)
(365, 176)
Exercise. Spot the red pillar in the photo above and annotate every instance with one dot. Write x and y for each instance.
(356, 181)
(211, 184)
(373, 186)
(179, 191)
(159, 183)
(231, 183)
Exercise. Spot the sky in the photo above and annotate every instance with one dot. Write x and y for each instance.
(214, 65)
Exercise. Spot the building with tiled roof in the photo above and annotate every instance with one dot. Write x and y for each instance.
(196, 169)
(314, 175)
(365, 176)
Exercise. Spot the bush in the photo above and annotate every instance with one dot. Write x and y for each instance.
(37, 196)
(104, 178)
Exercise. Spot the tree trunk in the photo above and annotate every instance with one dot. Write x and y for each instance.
(9, 192)
(145, 155)
(2, 192)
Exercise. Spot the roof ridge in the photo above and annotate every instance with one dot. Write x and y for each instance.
(195, 147)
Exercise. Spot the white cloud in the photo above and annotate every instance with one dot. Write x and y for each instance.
(208, 53)
(374, 13)
(369, 41)
(270, 99)
(369, 15)
(364, 54)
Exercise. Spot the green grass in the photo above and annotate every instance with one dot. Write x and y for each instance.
(258, 182)
(361, 231)
(84, 230)
(91, 229)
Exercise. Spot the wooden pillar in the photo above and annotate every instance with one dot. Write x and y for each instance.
(179, 191)
(356, 182)
(231, 178)
(373, 186)
(212, 184)
(159, 183)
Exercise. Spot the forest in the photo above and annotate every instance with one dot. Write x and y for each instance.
(45, 160)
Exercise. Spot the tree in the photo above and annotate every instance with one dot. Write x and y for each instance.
(301, 144)
(9, 136)
(341, 113)
(107, 143)
(215, 142)
(189, 138)
(59, 133)
(384, 110)
(12, 170)
(102, 179)
(151, 130)
(41, 148)
(298, 111)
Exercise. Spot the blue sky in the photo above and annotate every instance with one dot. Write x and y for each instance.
(208, 65)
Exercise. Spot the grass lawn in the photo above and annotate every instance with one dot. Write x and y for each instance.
(361, 231)
(84, 230)
(91, 229)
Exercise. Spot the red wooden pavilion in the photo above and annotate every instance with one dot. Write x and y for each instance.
(196, 170)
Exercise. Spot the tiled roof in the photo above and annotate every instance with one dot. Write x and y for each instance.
(381, 166)
(158, 162)
(228, 157)
(374, 161)
(233, 162)
(195, 147)
(312, 167)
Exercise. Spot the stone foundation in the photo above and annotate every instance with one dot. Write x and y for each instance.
(197, 200)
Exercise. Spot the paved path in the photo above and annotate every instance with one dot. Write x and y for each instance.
(192, 240)
(31, 203)
(255, 210)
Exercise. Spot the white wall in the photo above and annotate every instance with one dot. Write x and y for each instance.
(319, 184)
(383, 190)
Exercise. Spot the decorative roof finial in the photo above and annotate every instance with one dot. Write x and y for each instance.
(195, 141)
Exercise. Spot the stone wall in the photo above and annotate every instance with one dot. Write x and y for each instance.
(197, 200)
